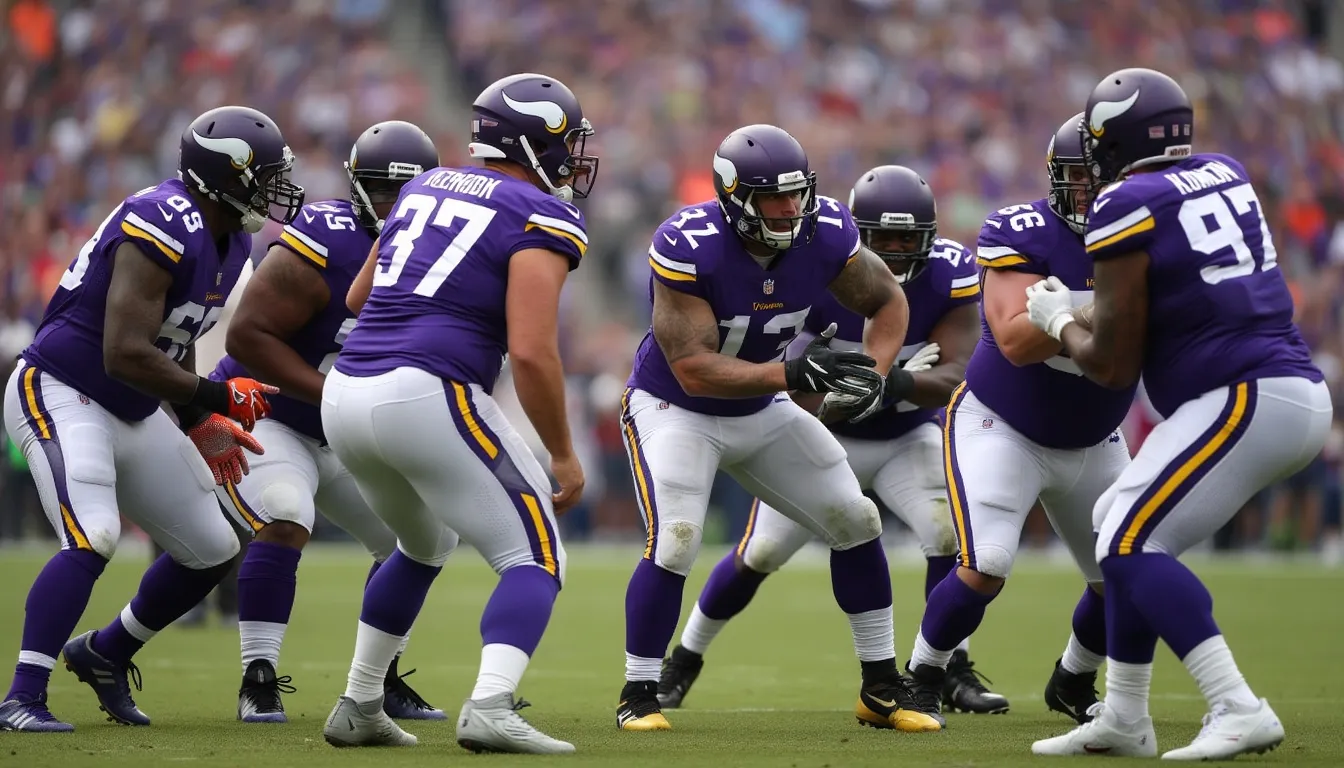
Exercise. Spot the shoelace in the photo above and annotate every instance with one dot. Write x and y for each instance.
(268, 694)
(1211, 718)
(926, 698)
(133, 673)
(966, 674)
(403, 689)
(1086, 683)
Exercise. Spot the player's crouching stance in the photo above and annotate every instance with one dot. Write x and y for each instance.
(897, 452)
(469, 267)
(116, 340)
(734, 280)
(1189, 297)
(289, 326)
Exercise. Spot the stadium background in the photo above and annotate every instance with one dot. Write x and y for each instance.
(95, 94)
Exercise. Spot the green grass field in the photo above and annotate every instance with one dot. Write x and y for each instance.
(776, 691)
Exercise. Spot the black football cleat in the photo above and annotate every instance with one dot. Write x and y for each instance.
(926, 686)
(891, 704)
(679, 673)
(639, 709)
(1071, 694)
(259, 695)
(963, 690)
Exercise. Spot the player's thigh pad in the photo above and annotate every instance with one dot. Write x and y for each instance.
(165, 487)
(770, 539)
(673, 454)
(792, 462)
(994, 475)
(68, 442)
(1199, 467)
(339, 500)
(280, 483)
(913, 485)
(1077, 480)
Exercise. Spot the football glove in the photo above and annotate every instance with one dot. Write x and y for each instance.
(1050, 306)
(821, 369)
(241, 399)
(221, 443)
(923, 360)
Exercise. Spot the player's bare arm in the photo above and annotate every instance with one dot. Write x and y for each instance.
(867, 287)
(135, 302)
(363, 284)
(955, 334)
(1111, 353)
(1005, 307)
(688, 333)
(284, 294)
(532, 307)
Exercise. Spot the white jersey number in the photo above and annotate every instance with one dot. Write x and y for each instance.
(1227, 232)
(475, 218)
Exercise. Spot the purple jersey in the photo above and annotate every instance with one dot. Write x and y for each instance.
(443, 272)
(1051, 403)
(164, 223)
(330, 238)
(1219, 312)
(759, 310)
(950, 281)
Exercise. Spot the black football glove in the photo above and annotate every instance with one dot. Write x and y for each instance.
(821, 369)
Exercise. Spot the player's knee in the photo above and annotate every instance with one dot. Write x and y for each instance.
(993, 561)
(285, 503)
(677, 544)
(857, 522)
(937, 536)
(100, 539)
(286, 534)
(217, 548)
(766, 555)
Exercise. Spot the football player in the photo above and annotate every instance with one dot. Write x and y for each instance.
(290, 324)
(116, 340)
(1188, 296)
(897, 452)
(734, 281)
(1026, 424)
(468, 267)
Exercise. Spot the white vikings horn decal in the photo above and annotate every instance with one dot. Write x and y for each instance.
(727, 173)
(1106, 110)
(555, 118)
(239, 151)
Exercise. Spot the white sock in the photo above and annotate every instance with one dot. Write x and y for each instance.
(1216, 674)
(1127, 689)
(261, 640)
(402, 648)
(502, 668)
(134, 627)
(374, 651)
(641, 669)
(925, 654)
(700, 631)
(964, 646)
(874, 635)
(33, 658)
(1078, 660)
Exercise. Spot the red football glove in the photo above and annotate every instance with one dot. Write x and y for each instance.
(247, 401)
(221, 443)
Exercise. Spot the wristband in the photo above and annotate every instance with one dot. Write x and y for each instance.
(1057, 324)
(900, 383)
(212, 396)
(190, 416)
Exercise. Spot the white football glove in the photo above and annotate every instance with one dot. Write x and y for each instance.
(1050, 306)
(923, 360)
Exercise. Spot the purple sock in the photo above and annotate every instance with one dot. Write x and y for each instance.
(953, 613)
(1089, 622)
(730, 588)
(652, 608)
(1169, 596)
(860, 578)
(167, 591)
(519, 608)
(396, 593)
(372, 570)
(1129, 639)
(56, 601)
(266, 581)
(937, 569)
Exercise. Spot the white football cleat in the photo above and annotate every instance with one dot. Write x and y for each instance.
(494, 725)
(1228, 733)
(1104, 735)
(364, 725)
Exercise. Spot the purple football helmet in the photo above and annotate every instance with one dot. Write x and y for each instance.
(237, 156)
(895, 199)
(535, 121)
(1070, 184)
(762, 159)
(1135, 117)
(382, 160)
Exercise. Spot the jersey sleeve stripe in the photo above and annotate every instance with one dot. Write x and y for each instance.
(1119, 225)
(551, 222)
(962, 282)
(1142, 226)
(855, 250)
(318, 248)
(668, 274)
(151, 232)
(671, 265)
(998, 256)
(967, 292)
(301, 247)
(580, 245)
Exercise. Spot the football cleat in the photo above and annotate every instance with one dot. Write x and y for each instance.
(963, 691)
(679, 673)
(108, 679)
(1104, 734)
(259, 696)
(30, 717)
(639, 709)
(1071, 694)
(401, 702)
(363, 725)
(1228, 733)
(926, 685)
(494, 725)
(890, 704)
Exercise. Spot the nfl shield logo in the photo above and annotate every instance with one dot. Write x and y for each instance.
(219, 278)
(769, 287)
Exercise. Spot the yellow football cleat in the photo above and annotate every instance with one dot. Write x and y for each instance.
(889, 704)
(639, 709)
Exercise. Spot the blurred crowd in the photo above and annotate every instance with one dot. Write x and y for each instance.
(93, 96)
